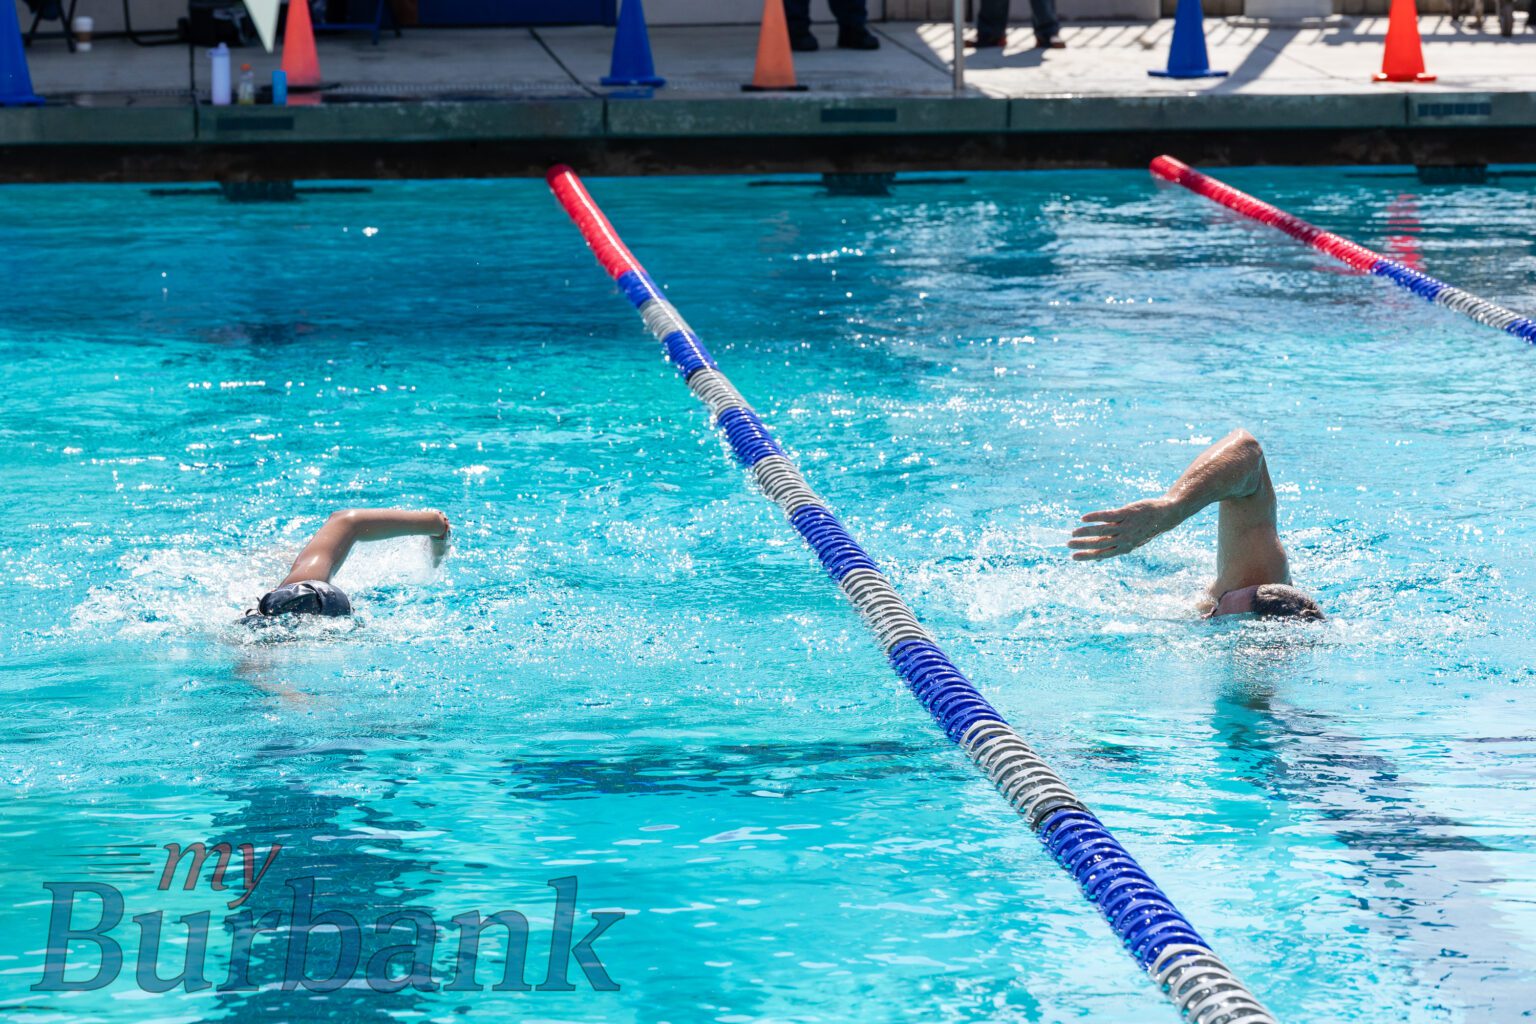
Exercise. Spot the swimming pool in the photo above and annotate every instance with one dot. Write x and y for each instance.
(631, 672)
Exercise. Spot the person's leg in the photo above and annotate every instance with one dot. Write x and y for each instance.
(1047, 26)
(797, 14)
(991, 21)
(850, 14)
(852, 33)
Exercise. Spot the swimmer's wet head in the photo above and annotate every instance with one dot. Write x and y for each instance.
(310, 597)
(1279, 601)
(1268, 601)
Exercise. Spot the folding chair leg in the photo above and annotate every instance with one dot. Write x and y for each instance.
(66, 27)
(383, 11)
(69, 25)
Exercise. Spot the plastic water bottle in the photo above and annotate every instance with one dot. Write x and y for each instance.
(220, 57)
(246, 94)
(279, 88)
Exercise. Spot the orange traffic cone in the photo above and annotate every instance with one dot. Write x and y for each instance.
(1403, 60)
(300, 61)
(775, 71)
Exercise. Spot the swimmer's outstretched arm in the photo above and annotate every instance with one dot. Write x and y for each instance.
(1231, 471)
(328, 549)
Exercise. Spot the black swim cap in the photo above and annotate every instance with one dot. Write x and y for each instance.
(311, 597)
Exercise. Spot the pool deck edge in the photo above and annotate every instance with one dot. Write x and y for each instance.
(116, 139)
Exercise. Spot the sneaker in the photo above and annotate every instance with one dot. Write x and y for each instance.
(1053, 43)
(980, 42)
(859, 38)
(804, 43)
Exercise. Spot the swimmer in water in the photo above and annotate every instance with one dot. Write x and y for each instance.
(1252, 572)
(308, 590)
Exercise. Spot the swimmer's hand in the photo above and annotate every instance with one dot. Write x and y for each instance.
(1119, 531)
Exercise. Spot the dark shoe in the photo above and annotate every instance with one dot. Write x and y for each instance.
(804, 43)
(1053, 43)
(859, 38)
(986, 42)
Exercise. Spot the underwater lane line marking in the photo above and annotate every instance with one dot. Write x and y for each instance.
(1151, 928)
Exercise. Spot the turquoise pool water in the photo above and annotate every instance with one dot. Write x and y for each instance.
(630, 671)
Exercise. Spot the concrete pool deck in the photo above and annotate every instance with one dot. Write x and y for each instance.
(495, 102)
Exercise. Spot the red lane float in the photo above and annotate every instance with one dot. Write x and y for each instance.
(1357, 256)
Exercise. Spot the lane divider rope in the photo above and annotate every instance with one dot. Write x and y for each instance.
(1357, 256)
(1152, 929)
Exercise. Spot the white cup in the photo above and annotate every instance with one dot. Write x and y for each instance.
(82, 27)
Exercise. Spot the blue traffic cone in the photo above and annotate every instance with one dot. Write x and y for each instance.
(1186, 56)
(632, 50)
(15, 82)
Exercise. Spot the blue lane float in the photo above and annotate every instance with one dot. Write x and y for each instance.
(1151, 928)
